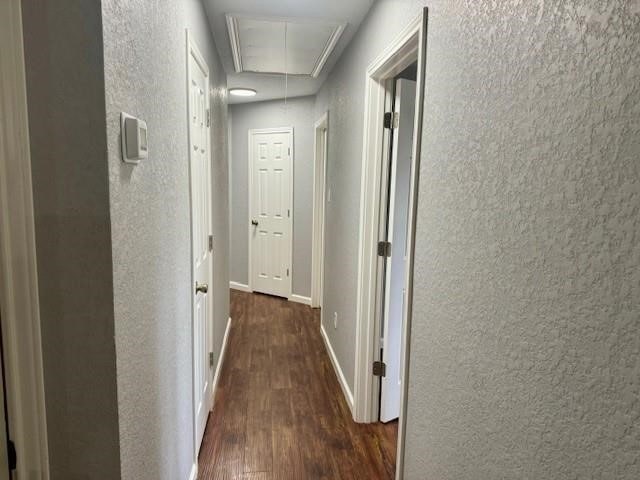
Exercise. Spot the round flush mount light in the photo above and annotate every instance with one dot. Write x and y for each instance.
(242, 92)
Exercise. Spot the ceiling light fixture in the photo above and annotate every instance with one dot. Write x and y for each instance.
(242, 92)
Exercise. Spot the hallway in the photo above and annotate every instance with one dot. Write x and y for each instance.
(279, 412)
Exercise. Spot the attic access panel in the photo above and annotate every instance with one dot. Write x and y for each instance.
(258, 44)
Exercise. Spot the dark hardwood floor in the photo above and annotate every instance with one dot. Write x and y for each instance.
(279, 413)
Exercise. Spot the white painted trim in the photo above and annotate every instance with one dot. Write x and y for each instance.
(223, 349)
(19, 299)
(240, 287)
(319, 200)
(336, 367)
(411, 242)
(261, 131)
(300, 299)
(192, 50)
(234, 40)
(193, 475)
(397, 56)
(328, 49)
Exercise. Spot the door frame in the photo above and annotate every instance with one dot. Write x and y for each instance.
(193, 50)
(408, 46)
(320, 144)
(19, 297)
(262, 131)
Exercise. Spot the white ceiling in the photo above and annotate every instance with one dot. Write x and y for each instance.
(273, 45)
(268, 85)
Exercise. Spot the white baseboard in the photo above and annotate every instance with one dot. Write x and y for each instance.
(336, 366)
(194, 472)
(300, 299)
(216, 376)
(239, 286)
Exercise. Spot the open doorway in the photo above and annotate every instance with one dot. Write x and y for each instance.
(321, 136)
(394, 98)
(396, 225)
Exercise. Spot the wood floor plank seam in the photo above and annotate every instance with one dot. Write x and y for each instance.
(279, 412)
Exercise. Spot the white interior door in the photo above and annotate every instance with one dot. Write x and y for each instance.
(394, 300)
(200, 171)
(271, 193)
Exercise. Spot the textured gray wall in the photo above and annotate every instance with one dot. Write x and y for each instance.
(299, 114)
(65, 83)
(145, 75)
(526, 353)
(525, 350)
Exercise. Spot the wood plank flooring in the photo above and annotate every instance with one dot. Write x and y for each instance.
(279, 412)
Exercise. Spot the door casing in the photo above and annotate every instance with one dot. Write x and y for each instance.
(19, 297)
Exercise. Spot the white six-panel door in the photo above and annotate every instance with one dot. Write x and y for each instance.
(395, 291)
(200, 172)
(270, 212)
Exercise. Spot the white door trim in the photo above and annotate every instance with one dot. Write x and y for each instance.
(320, 145)
(259, 131)
(19, 298)
(408, 46)
(193, 51)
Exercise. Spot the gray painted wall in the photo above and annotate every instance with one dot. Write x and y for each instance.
(299, 113)
(525, 353)
(145, 75)
(65, 88)
(114, 240)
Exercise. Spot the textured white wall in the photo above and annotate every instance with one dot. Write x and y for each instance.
(299, 114)
(145, 75)
(525, 352)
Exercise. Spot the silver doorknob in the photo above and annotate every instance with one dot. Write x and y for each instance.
(202, 287)
(254, 223)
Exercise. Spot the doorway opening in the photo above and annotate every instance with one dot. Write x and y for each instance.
(395, 225)
(394, 98)
(321, 136)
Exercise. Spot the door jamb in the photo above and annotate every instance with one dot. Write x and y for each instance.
(258, 131)
(19, 297)
(409, 45)
(319, 198)
(192, 50)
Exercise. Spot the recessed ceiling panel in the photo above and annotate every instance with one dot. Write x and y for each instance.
(275, 45)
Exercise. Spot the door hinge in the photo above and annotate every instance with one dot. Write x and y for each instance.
(287, 272)
(288, 213)
(379, 369)
(384, 249)
(391, 120)
(208, 118)
(289, 151)
(211, 243)
(211, 359)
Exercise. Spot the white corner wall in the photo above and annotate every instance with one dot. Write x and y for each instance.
(525, 357)
(298, 113)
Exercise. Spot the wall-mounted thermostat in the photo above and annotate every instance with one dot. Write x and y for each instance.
(134, 138)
